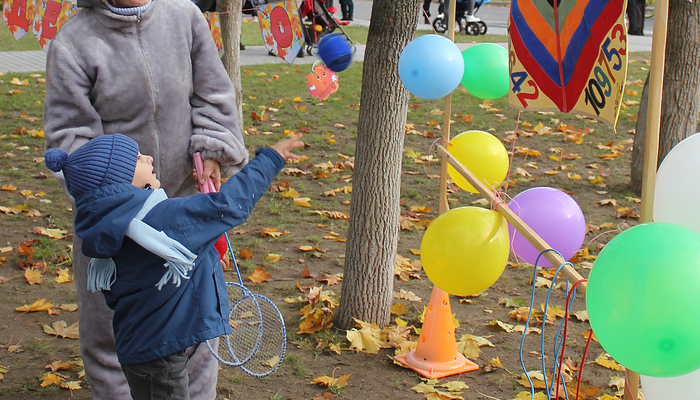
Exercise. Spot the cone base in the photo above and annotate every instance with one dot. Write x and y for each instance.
(435, 370)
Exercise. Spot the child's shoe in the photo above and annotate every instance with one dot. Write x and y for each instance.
(471, 18)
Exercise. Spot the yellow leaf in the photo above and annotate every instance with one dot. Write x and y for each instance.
(554, 158)
(574, 176)
(60, 328)
(363, 340)
(68, 307)
(63, 276)
(50, 379)
(3, 371)
(306, 248)
(272, 362)
(39, 305)
(60, 365)
(496, 362)
(33, 276)
(604, 360)
(454, 386)
(400, 322)
(289, 193)
(302, 202)
(9, 187)
(297, 99)
(399, 309)
(72, 385)
(50, 232)
(15, 81)
(272, 257)
(5, 249)
(259, 275)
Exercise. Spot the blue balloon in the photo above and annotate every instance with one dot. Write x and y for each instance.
(335, 52)
(431, 66)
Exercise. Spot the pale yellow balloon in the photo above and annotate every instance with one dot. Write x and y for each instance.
(483, 154)
(465, 250)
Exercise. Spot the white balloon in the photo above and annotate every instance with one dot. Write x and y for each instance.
(685, 387)
(676, 189)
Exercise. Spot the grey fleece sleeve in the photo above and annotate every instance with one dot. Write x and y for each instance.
(215, 118)
(70, 120)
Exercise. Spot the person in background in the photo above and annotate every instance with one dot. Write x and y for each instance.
(148, 69)
(426, 11)
(635, 14)
(347, 7)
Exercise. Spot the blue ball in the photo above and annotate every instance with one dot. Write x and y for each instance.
(431, 66)
(335, 52)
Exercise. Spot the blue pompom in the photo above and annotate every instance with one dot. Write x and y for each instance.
(55, 159)
(335, 52)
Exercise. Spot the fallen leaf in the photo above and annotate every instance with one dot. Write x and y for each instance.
(259, 275)
(60, 328)
(38, 305)
(50, 379)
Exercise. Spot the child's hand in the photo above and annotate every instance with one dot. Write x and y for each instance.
(285, 147)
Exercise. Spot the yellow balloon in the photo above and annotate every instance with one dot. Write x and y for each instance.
(465, 250)
(483, 154)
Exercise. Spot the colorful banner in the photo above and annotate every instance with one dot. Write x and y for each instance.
(215, 28)
(281, 29)
(49, 16)
(18, 15)
(322, 81)
(571, 60)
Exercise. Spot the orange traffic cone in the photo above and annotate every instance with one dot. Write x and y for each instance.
(436, 354)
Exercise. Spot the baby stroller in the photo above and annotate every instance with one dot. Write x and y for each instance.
(461, 24)
(318, 20)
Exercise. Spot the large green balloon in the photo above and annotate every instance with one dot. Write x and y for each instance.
(642, 298)
(486, 73)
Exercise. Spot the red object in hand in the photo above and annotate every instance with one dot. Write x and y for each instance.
(221, 246)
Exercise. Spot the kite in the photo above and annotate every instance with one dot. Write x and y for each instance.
(568, 56)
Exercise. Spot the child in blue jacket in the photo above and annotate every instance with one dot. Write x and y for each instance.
(154, 257)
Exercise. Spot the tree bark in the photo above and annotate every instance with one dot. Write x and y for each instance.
(231, 17)
(681, 93)
(374, 211)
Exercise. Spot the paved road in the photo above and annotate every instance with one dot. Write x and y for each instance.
(493, 14)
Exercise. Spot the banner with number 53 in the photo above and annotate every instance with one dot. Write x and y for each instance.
(568, 56)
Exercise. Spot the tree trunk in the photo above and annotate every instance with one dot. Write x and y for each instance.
(231, 17)
(681, 94)
(374, 210)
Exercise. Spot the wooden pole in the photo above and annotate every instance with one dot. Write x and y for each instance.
(568, 271)
(443, 205)
(651, 142)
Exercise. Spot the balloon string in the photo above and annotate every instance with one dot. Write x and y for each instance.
(512, 152)
(430, 151)
(620, 227)
(583, 362)
(425, 14)
(569, 301)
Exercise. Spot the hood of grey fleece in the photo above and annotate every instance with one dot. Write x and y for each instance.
(157, 79)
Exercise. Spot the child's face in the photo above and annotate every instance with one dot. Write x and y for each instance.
(144, 174)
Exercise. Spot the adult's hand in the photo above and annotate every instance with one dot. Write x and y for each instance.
(212, 170)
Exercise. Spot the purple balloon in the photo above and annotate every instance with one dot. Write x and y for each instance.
(552, 214)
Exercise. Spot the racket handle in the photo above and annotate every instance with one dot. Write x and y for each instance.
(199, 167)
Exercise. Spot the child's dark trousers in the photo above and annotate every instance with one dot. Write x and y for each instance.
(164, 378)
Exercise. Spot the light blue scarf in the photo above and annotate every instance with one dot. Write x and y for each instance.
(102, 272)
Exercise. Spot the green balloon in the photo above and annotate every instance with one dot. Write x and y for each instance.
(486, 73)
(642, 298)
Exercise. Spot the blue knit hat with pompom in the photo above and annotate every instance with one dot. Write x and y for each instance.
(102, 161)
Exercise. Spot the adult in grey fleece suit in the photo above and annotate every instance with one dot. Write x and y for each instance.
(158, 79)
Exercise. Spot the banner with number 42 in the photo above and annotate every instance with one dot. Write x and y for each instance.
(574, 60)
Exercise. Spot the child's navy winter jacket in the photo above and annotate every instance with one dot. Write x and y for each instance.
(151, 323)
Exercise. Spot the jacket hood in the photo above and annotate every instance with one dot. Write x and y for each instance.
(104, 215)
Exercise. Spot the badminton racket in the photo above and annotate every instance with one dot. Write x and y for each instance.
(257, 343)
